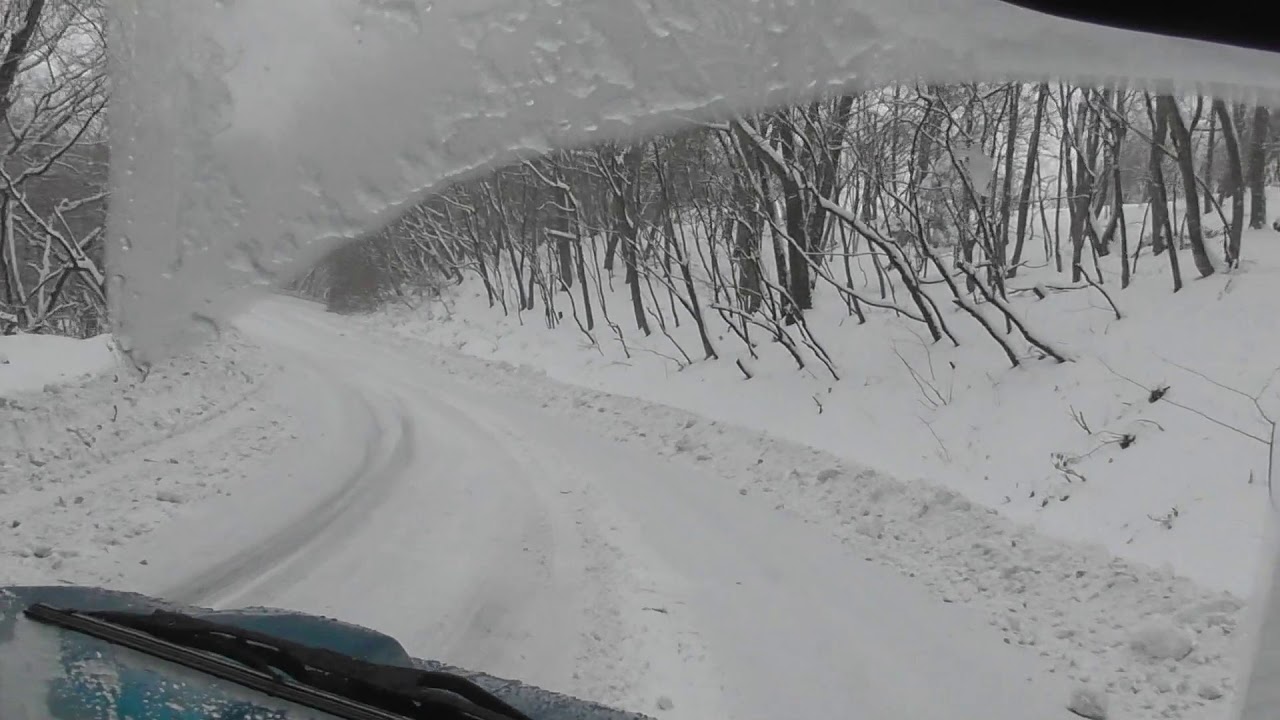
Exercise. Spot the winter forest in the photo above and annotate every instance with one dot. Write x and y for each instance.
(870, 198)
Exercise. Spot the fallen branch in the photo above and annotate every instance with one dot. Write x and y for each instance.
(1164, 396)
(1098, 287)
(1009, 314)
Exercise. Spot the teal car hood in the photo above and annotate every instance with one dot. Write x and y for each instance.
(54, 673)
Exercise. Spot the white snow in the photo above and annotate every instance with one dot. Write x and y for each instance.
(545, 548)
(1088, 702)
(86, 468)
(1177, 486)
(801, 549)
(627, 552)
(1076, 606)
(1162, 639)
(28, 362)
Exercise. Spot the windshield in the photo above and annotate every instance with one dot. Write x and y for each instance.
(853, 358)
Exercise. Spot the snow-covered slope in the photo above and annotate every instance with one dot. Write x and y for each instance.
(90, 466)
(1078, 450)
(1153, 644)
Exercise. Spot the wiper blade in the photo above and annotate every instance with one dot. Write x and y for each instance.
(314, 677)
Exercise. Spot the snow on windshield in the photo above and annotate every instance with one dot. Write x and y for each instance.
(250, 137)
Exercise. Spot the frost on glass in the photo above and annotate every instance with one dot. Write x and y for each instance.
(251, 136)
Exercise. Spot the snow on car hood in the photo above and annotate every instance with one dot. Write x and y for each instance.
(251, 137)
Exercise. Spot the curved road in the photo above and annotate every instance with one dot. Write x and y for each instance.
(481, 531)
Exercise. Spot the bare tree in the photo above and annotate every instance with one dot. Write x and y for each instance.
(1028, 174)
(52, 168)
(1257, 167)
(1182, 145)
(1236, 175)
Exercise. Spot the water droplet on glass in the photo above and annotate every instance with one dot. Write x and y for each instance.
(116, 284)
(240, 260)
(205, 327)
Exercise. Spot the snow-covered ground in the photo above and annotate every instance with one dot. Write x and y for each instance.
(624, 551)
(689, 508)
(1078, 451)
(86, 466)
(1076, 605)
(30, 362)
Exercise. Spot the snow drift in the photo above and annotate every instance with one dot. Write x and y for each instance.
(30, 362)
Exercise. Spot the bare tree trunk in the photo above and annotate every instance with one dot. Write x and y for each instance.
(6, 248)
(628, 215)
(827, 164)
(746, 245)
(611, 242)
(1118, 219)
(1099, 180)
(1208, 164)
(564, 256)
(694, 307)
(468, 224)
(1117, 215)
(745, 223)
(1257, 163)
(1159, 200)
(1182, 146)
(1080, 202)
(767, 208)
(570, 202)
(1064, 178)
(1006, 194)
(1237, 182)
(1024, 193)
(14, 54)
(794, 220)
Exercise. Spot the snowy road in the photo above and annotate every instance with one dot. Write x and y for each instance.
(482, 531)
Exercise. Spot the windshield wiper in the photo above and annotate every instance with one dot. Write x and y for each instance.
(313, 677)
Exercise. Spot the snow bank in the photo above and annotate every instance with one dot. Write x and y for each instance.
(88, 467)
(30, 362)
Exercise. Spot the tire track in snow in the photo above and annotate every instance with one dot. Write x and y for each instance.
(783, 618)
(489, 554)
(386, 451)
